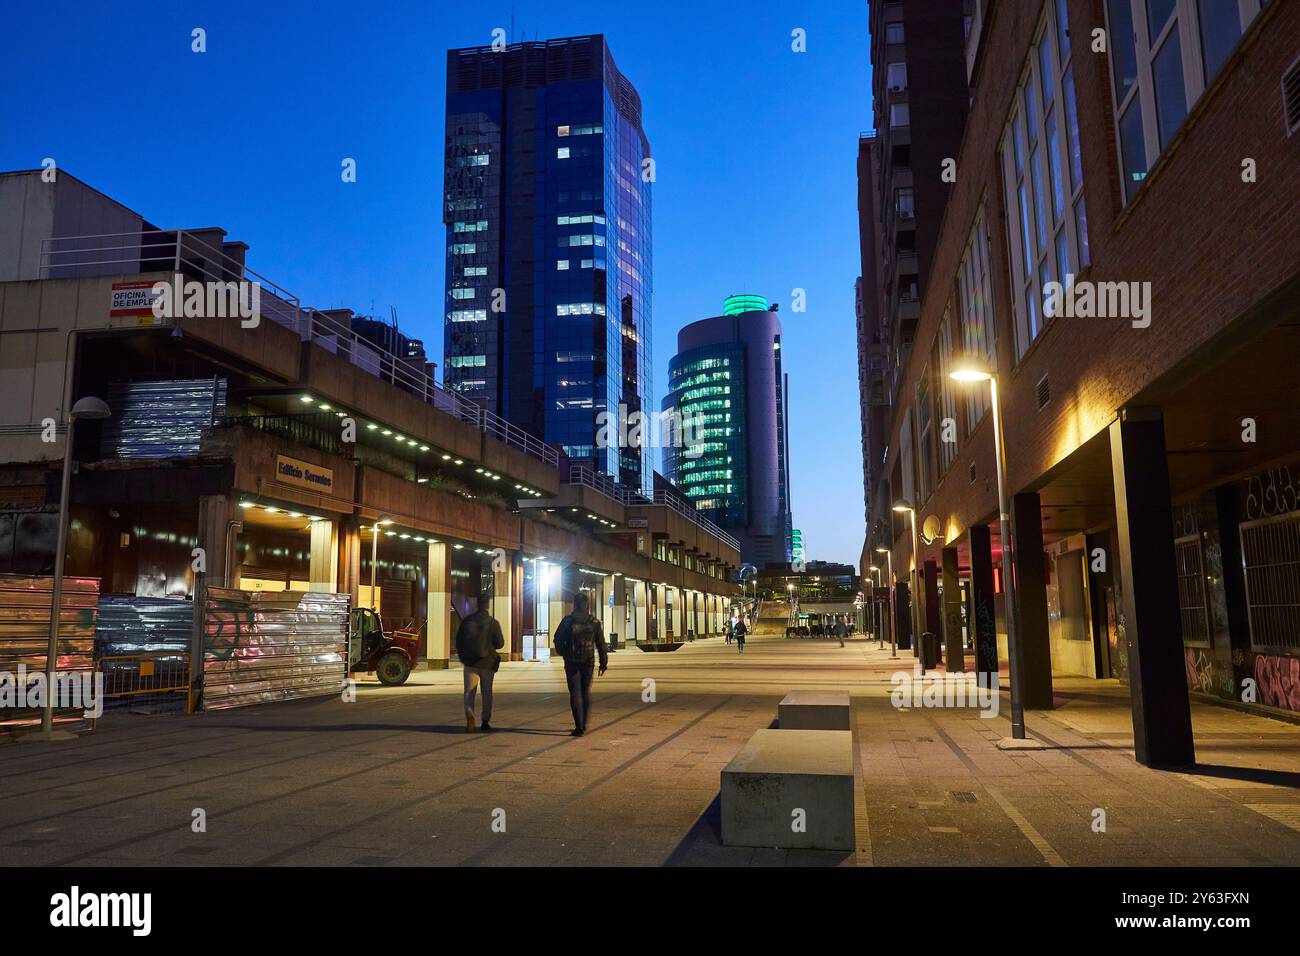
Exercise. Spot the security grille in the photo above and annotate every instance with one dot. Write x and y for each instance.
(1191, 591)
(1270, 555)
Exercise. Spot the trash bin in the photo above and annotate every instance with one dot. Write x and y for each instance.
(929, 650)
(612, 643)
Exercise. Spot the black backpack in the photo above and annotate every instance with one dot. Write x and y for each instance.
(580, 641)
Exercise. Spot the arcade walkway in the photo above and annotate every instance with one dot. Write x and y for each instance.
(392, 779)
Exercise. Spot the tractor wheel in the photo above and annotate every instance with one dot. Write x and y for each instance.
(393, 669)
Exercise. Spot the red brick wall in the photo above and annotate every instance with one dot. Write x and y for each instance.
(1211, 245)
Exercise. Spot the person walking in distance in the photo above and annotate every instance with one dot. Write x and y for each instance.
(477, 641)
(741, 632)
(580, 640)
(841, 631)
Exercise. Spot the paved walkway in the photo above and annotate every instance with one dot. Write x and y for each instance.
(393, 778)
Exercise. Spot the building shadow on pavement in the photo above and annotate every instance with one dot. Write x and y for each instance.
(1277, 778)
(702, 846)
(457, 730)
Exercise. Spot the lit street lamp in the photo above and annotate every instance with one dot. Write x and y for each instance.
(973, 370)
(374, 557)
(914, 582)
(875, 607)
(90, 409)
(889, 579)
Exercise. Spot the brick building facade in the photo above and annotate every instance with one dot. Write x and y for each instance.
(1152, 457)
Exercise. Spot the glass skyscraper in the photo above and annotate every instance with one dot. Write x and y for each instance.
(727, 386)
(547, 208)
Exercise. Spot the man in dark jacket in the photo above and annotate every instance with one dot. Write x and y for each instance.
(579, 639)
(477, 641)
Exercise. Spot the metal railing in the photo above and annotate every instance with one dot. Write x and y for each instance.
(688, 511)
(193, 255)
(318, 430)
(601, 483)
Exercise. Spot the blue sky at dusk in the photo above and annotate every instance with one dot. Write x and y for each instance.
(755, 148)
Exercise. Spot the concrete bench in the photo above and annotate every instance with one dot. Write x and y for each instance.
(814, 710)
(781, 778)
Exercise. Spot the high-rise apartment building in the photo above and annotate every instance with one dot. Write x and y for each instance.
(547, 208)
(905, 172)
(726, 385)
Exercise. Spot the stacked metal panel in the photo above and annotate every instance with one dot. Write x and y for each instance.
(25, 602)
(161, 419)
(262, 646)
(140, 625)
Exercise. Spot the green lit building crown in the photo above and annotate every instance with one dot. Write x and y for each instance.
(739, 304)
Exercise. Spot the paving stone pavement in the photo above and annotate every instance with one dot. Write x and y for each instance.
(393, 779)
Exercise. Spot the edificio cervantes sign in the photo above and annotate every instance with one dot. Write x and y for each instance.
(303, 474)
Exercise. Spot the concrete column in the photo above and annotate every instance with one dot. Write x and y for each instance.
(1162, 719)
(438, 650)
(618, 615)
(903, 615)
(982, 613)
(933, 619)
(349, 551)
(955, 652)
(324, 568)
(642, 615)
(503, 601)
(657, 612)
(557, 606)
(1031, 599)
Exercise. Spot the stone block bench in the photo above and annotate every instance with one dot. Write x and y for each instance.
(814, 710)
(791, 789)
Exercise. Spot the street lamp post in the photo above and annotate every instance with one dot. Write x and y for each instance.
(914, 582)
(889, 579)
(91, 409)
(974, 371)
(384, 520)
(875, 607)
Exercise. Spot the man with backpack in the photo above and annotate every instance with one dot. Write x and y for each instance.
(579, 640)
(477, 640)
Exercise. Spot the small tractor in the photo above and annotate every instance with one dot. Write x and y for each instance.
(390, 655)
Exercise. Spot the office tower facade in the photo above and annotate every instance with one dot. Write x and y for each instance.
(726, 385)
(548, 245)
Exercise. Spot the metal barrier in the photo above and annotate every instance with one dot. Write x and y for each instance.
(261, 646)
(25, 602)
(137, 678)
